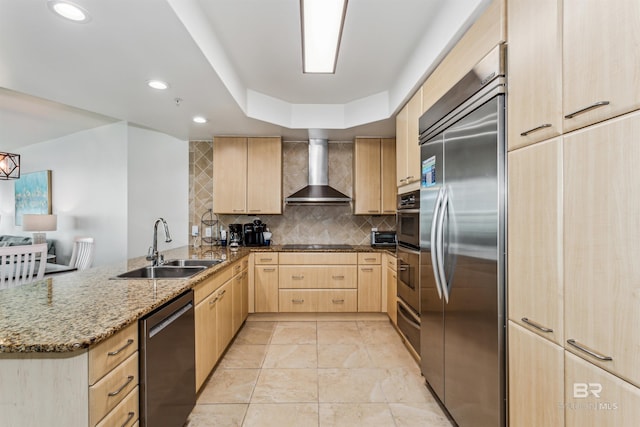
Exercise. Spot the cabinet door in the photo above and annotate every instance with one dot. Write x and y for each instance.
(264, 176)
(236, 294)
(601, 60)
(366, 177)
(413, 138)
(388, 187)
(229, 175)
(535, 238)
(536, 380)
(402, 139)
(224, 319)
(392, 286)
(595, 398)
(535, 71)
(266, 289)
(245, 295)
(369, 288)
(601, 248)
(206, 349)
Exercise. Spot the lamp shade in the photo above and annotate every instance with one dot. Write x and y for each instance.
(36, 222)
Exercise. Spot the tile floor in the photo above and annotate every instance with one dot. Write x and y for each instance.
(282, 373)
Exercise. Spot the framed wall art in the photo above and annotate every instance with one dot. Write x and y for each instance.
(33, 194)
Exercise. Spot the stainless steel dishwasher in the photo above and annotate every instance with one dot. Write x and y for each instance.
(167, 364)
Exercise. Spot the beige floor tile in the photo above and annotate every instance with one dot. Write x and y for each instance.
(419, 414)
(339, 333)
(229, 386)
(244, 356)
(294, 333)
(403, 385)
(351, 385)
(392, 356)
(282, 415)
(224, 415)
(379, 332)
(286, 385)
(343, 356)
(255, 333)
(295, 356)
(356, 414)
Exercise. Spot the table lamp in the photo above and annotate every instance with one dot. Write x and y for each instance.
(39, 224)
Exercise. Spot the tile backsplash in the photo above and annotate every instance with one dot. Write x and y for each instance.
(297, 224)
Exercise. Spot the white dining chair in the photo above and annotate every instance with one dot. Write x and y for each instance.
(22, 264)
(82, 253)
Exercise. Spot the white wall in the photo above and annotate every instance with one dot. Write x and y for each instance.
(158, 170)
(109, 183)
(89, 186)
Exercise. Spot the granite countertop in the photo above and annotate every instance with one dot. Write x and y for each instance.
(70, 312)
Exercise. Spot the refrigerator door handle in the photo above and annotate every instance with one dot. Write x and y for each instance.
(434, 247)
(440, 243)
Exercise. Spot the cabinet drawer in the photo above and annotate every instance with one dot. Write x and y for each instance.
(318, 258)
(204, 289)
(369, 258)
(236, 268)
(317, 276)
(338, 301)
(112, 389)
(245, 263)
(266, 258)
(125, 414)
(105, 356)
(298, 301)
(391, 262)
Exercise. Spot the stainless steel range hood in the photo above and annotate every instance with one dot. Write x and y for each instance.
(318, 192)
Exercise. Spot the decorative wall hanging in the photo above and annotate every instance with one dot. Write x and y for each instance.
(33, 194)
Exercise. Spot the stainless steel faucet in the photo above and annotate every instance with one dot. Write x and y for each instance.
(153, 255)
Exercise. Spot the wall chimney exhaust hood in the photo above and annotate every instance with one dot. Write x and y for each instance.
(318, 192)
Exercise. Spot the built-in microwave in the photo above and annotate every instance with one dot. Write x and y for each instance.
(408, 219)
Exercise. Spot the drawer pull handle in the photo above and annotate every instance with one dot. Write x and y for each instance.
(366, 269)
(390, 211)
(117, 392)
(536, 325)
(585, 109)
(587, 350)
(337, 301)
(118, 351)
(535, 129)
(130, 416)
(371, 259)
(213, 301)
(266, 259)
(269, 270)
(297, 301)
(221, 293)
(238, 210)
(299, 277)
(255, 210)
(337, 277)
(372, 211)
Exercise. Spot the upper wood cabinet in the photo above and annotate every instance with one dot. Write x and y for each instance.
(601, 250)
(407, 137)
(247, 175)
(374, 186)
(535, 77)
(601, 60)
(535, 239)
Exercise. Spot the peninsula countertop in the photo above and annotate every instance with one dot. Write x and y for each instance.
(72, 311)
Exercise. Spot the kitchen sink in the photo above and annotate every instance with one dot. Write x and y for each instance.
(193, 262)
(162, 272)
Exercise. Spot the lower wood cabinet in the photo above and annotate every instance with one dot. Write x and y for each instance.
(369, 282)
(224, 317)
(391, 279)
(206, 344)
(318, 300)
(266, 288)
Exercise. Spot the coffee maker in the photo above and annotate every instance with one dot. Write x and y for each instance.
(252, 233)
(235, 234)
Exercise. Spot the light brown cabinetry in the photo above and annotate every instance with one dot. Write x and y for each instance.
(535, 239)
(240, 294)
(224, 317)
(266, 283)
(369, 282)
(595, 398)
(534, 64)
(601, 60)
(247, 175)
(601, 250)
(374, 175)
(536, 389)
(407, 148)
(392, 287)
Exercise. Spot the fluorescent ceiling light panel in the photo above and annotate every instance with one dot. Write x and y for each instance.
(322, 22)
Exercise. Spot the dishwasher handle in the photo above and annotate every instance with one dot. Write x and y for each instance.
(166, 321)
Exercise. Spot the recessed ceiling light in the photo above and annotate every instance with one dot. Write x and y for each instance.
(157, 84)
(69, 10)
(322, 22)
(199, 119)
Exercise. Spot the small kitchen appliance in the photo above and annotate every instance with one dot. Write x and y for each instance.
(253, 233)
(382, 239)
(235, 235)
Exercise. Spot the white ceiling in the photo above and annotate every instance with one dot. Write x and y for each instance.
(236, 62)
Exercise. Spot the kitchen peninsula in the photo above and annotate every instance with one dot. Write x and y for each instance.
(50, 328)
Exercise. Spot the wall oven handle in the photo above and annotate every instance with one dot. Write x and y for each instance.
(434, 255)
(402, 311)
(440, 245)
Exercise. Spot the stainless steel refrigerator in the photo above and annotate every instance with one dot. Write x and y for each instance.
(462, 246)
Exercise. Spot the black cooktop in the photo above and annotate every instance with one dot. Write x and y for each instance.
(310, 247)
